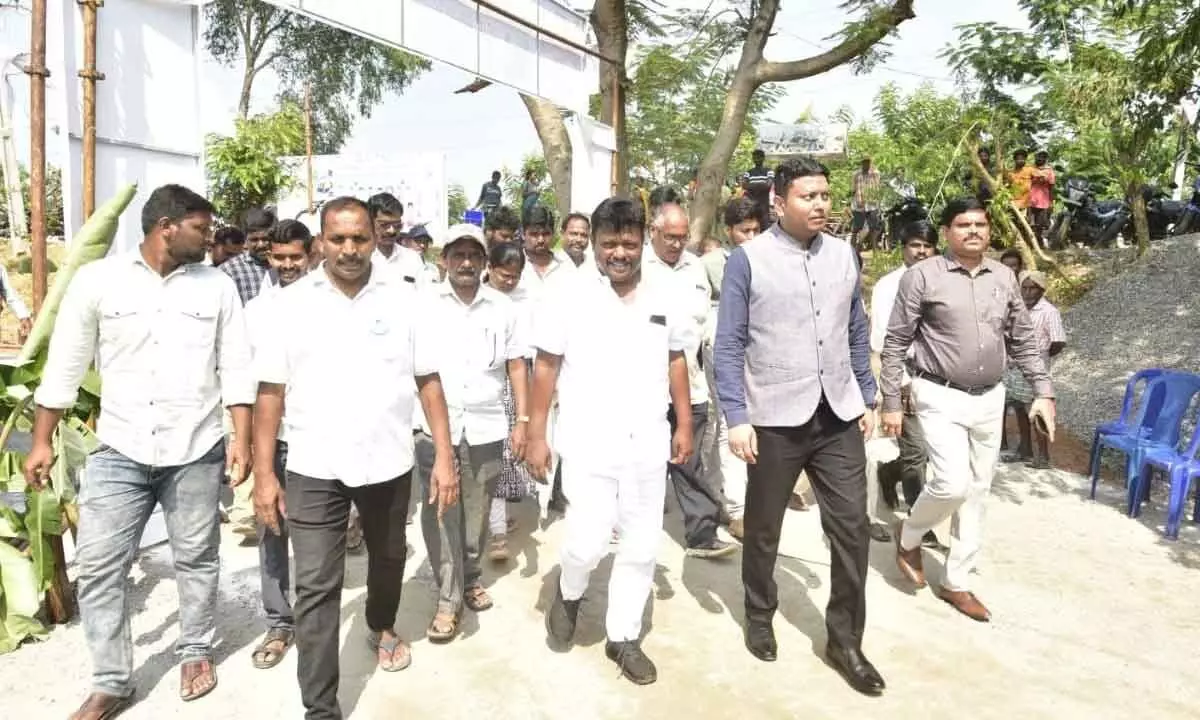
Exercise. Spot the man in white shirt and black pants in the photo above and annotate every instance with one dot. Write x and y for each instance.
(480, 350)
(169, 339)
(614, 351)
(349, 396)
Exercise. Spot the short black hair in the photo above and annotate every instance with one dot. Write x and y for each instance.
(1013, 253)
(258, 219)
(957, 207)
(505, 254)
(229, 235)
(345, 202)
(173, 202)
(618, 213)
(501, 218)
(1041, 153)
(495, 175)
(794, 168)
(740, 209)
(538, 216)
(662, 195)
(1020, 152)
(290, 231)
(576, 216)
(758, 153)
(384, 203)
(922, 229)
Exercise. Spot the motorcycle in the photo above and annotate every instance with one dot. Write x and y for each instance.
(909, 209)
(1086, 220)
(1189, 221)
(1162, 213)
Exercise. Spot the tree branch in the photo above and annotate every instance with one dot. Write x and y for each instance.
(850, 48)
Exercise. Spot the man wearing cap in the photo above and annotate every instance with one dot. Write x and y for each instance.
(1048, 328)
(480, 351)
(418, 239)
(387, 216)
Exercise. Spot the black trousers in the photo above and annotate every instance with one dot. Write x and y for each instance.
(832, 452)
(700, 504)
(318, 512)
(913, 458)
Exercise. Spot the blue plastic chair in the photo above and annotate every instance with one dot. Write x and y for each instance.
(1181, 468)
(1121, 434)
(1177, 392)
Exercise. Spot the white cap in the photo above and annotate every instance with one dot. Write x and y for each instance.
(465, 230)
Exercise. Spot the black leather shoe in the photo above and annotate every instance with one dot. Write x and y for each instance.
(634, 664)
(560, 620)
(760, 641)
(855, 669)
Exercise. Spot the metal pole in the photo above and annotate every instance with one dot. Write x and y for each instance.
(90, 75)
(37, 149)
(308, 143)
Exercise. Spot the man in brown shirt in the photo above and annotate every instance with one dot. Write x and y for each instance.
(962, 314)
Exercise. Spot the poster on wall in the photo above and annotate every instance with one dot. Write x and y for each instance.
(820, 140)
(417, 179)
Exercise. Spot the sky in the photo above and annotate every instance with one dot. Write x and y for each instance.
(491, 129)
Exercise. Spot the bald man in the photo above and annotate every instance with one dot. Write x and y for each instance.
(671, 263)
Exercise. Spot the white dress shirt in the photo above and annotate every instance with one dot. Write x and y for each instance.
(407, 262)
(883, 299)
(11, 297)
(587, 266)
(349, 366)
(258, 326)
(690, 282)
(476, 342)
(170, 351)
(558, 273)
(613, 388)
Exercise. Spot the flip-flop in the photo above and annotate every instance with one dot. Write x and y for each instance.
(109, 706)
(264, 657)
(391, 647)
(442, 628)
(186, 676)
(477, 599)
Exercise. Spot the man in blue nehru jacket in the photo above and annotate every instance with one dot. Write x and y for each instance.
(793, 376)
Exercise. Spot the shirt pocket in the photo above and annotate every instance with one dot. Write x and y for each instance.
(196, 325)
(122, 323)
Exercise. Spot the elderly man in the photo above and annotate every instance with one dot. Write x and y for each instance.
(793, 369)
(961, 314)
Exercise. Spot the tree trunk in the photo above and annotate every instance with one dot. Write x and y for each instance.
(752, 72)
(247, 84)
(556, 147)
(610, 23)
(1141, 226)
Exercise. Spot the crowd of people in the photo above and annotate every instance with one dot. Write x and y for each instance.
(353, 372)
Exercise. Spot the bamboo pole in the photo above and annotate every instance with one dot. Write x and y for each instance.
(308, 143)
(90, 75)
(37, 149)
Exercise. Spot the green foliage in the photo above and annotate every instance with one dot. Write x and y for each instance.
(511, 182)
(456, 204)
(244, 170)
(54, 202)
(348, 75)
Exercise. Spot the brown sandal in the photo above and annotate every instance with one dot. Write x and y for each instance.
(108, 706)
(477, 599)
(399, 654)
(442, 628)
(274, 646)
(189, 673)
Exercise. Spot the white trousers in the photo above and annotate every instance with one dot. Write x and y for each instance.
(962, 434)
(630, 499)
(723, 470)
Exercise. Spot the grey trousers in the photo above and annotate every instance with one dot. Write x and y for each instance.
(273, 573)
(455, 545)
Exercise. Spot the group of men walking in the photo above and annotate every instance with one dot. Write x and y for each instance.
(344, 381)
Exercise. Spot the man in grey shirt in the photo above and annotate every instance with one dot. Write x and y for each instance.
(962, 315)
(793, 372)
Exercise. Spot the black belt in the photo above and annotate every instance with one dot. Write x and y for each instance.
(939, 380)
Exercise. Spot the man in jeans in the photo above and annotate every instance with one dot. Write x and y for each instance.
(480, 352)
(169, 340)
(349, 398)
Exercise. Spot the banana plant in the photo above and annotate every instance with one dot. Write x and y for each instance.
(30, 518)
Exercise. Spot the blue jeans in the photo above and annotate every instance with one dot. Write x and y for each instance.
(115, 501)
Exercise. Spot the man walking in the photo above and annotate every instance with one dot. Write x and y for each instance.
(794, 380)
(490, 195)
(387, 213)
(349, 426)
(864, 204)
(1041, 195)
(962, 315)
(577, 240)
(757, 183)
(614, 350)
(670, 264)
(168, 337)
(291, 244)
(480, 351)
(249, 268)
(1051, 339)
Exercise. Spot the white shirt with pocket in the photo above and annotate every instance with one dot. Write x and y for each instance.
(690, 281)
(349, 365)
(170, 352)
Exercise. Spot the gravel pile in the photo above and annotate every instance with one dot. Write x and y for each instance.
(1146, 316)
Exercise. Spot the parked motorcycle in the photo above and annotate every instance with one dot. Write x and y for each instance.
(1189, 221)
(1162, 213)
(909, 209)
(1086, 220)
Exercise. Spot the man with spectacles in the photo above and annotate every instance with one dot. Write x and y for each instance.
(387, 215)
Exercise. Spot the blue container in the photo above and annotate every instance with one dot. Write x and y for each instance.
(475, 217)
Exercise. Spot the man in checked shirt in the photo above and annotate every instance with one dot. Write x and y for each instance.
(957, 312)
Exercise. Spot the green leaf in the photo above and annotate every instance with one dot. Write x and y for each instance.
(22, 595)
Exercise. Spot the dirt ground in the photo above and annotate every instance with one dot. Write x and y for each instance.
(1094, 617)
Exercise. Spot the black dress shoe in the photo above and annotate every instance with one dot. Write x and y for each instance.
(561, 618)
(760, 641)
(856, 669)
